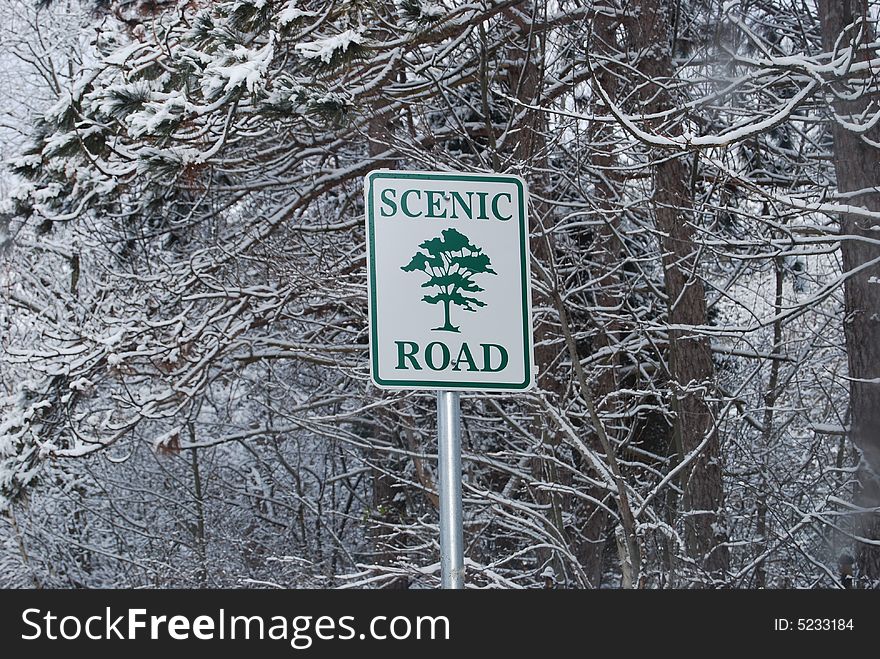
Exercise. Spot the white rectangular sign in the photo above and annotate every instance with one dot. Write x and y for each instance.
(448, 280)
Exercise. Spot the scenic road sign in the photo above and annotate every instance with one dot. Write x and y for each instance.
(448, 273)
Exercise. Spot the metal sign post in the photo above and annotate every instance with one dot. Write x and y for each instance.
(449, 304)
(449, 458)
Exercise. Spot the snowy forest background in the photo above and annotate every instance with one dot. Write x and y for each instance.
(184, 391)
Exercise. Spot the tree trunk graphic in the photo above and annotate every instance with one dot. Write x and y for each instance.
(447, 326)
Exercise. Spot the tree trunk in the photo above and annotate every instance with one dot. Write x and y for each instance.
(529, 158)
(447, 325)
(690, 357)
(856, 164)
(382, 508)
(531, 153)
(605, 249)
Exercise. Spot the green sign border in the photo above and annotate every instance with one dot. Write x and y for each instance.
(524, 273)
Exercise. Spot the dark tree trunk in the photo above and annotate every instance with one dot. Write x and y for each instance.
(691, 369)
(529, 158)
(530, 155)
(605, 249)
(856, 163)
(382, 509)
(690, 357)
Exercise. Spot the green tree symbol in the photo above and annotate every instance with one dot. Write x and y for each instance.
(451, 263)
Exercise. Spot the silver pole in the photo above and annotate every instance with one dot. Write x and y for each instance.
(449, 457)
